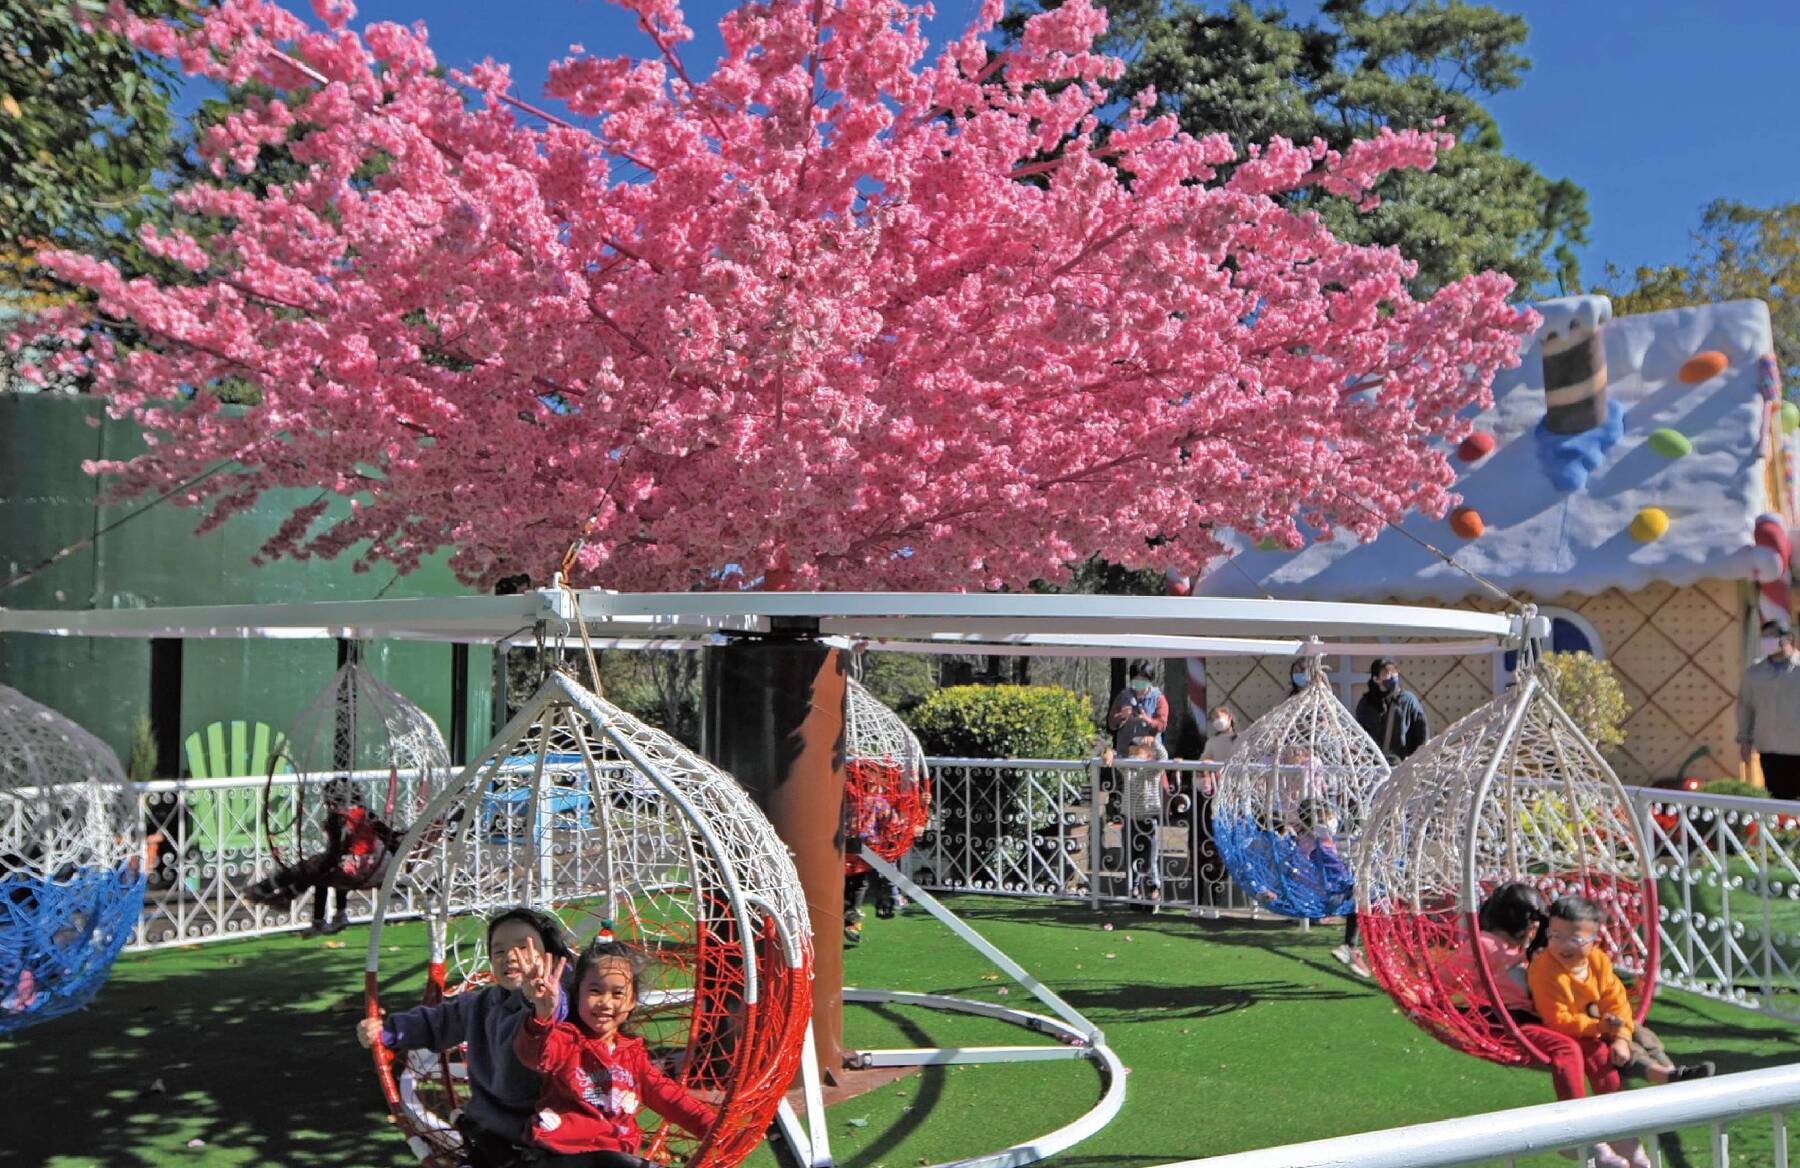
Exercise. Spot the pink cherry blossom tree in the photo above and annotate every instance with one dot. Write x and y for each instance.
(842, 313)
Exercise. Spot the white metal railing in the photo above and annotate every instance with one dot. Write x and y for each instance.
(1728, 883)
(205, 844)
(1728, 869)
(1057, 828)
(1728, 873)
(1501, 1137)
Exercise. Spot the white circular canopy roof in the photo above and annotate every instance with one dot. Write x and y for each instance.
(943, 622)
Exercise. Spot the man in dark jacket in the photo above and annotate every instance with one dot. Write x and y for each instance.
(1392, 716)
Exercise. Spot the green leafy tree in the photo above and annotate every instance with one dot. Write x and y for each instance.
(1588, 689)
(899, 681)
(1256, 72)
(89, 143)
(85, 124)
(1739, 252)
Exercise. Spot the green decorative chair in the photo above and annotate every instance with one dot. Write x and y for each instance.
(230, 821)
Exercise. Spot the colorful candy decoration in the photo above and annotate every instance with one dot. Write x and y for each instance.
(1774, 600)
(1650, 525)
(1196, 692)
(1476, 446)
(1703, 367)
(1580, 426)
(1670, 443)
(1768, 377)
(1573, 351)
(1467, 523)
(1568, 460)
(1790, 417)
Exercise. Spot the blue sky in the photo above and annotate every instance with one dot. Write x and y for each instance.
(1655, 106)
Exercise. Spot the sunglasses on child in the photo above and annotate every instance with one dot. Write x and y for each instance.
(1571, 940)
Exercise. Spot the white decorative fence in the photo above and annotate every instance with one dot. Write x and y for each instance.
(1728, 876)
(1057, 828)
(205, 843)
(1728, 882)
(1728, 869)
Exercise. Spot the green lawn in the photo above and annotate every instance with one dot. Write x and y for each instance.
(1237, 1036)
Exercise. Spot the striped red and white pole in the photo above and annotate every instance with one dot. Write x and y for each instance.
(1196, 691)
(1774, 599)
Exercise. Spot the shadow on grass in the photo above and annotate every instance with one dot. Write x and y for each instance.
(926, 1096)
(1074, 915)
(250, 1052)
(1161, 1002)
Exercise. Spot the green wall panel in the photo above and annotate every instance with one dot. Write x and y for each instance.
(48, 502)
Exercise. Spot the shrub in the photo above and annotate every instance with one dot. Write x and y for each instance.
(1005, 721)
(140, 759)
(1734, 787)
(1589, 690)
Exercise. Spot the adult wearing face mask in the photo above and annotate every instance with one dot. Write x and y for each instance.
(1299, 673)
(1140, 711)
(1769, 711)
(1393, 716)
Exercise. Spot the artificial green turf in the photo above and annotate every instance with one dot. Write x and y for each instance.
(1238, 1035)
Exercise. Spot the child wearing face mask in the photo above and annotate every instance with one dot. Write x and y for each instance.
(1221, 741)
(1145, 792)
(1331, 875)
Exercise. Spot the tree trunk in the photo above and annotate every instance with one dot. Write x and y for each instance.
(774, 718)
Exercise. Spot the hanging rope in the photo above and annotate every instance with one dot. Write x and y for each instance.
(587, 646)
(1513, 604)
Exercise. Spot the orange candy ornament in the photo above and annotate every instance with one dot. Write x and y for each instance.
(1467, 523)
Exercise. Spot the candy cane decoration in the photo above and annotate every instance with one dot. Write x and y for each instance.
(1196, 692)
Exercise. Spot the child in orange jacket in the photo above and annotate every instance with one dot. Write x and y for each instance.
(1575, 992)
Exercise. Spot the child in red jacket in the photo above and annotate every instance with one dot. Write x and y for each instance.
(595, 1075)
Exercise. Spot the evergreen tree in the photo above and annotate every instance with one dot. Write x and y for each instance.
(1254, 73)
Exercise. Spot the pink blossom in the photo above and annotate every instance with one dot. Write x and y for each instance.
(837, 314)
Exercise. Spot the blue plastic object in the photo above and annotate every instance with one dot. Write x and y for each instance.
(504, 808)
(59, 939)
(1294, 873)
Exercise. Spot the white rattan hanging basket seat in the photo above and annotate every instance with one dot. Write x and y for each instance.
(579, 809)
(71, 862)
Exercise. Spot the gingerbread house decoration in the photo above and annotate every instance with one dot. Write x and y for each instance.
(1636, 481)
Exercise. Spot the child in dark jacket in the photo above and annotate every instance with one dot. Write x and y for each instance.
(502, 1093)
(595, 1075)
(358, 844)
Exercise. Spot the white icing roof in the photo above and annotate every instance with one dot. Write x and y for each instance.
(1545, 542)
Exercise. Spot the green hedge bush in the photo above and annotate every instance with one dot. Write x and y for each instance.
(1005, 721)
(1736, 788)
